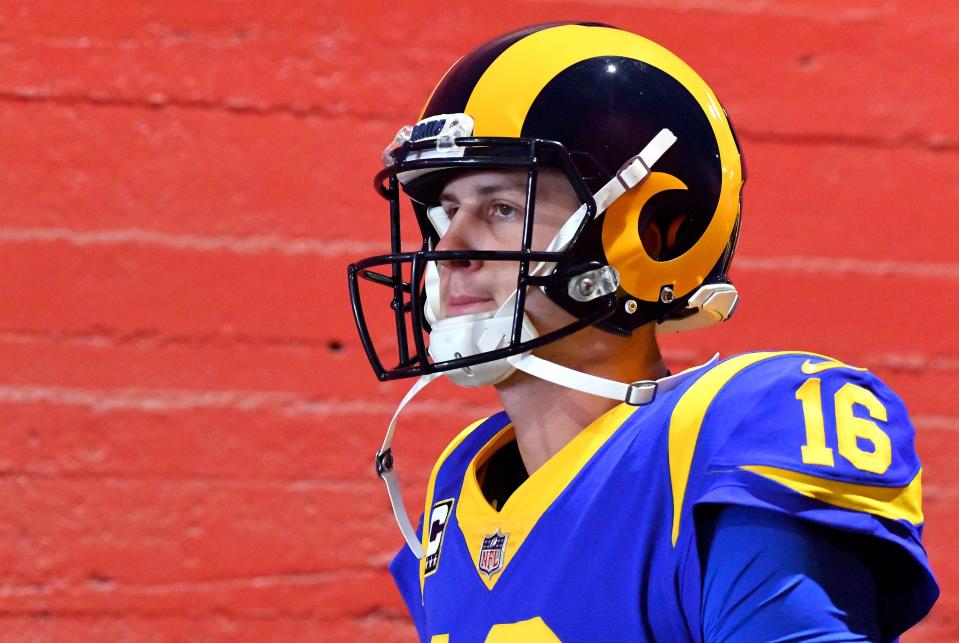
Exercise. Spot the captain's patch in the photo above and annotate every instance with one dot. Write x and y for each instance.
(439, 517)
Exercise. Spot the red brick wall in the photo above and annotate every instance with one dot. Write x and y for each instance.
(186, 417)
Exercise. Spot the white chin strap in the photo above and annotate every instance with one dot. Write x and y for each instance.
(468, 335)
(386, 471)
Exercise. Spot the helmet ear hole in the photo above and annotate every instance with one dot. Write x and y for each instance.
(660, 245)
(673, 231)
(676, 242)
(652, 238)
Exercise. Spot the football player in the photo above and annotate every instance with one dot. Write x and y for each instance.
(576, 190)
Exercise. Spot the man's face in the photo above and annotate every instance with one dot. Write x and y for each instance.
(486, 210)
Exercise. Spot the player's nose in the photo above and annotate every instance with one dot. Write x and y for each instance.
(460, 236)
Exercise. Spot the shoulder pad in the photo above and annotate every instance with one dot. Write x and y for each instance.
(814, 415)
(806, 436)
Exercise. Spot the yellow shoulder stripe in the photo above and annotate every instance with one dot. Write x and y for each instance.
(896, 503)
(687, 420)
(430, 488)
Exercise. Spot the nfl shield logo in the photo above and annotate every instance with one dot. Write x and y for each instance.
(491, 553)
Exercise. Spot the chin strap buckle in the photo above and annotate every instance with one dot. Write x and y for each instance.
(641, 392)
(384, 462)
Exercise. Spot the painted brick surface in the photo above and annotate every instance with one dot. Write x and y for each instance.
(186, 416)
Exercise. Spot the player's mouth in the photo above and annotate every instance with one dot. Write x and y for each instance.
(467, 304)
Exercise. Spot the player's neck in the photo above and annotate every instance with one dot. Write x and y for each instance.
(546, 416)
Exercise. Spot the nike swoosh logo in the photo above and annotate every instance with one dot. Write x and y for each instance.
(812, 368)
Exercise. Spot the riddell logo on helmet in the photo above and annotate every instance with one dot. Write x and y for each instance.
(427, 129)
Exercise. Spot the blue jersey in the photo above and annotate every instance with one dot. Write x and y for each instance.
(599, 544)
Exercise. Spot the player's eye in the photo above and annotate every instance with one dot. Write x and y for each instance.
(504, 211)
